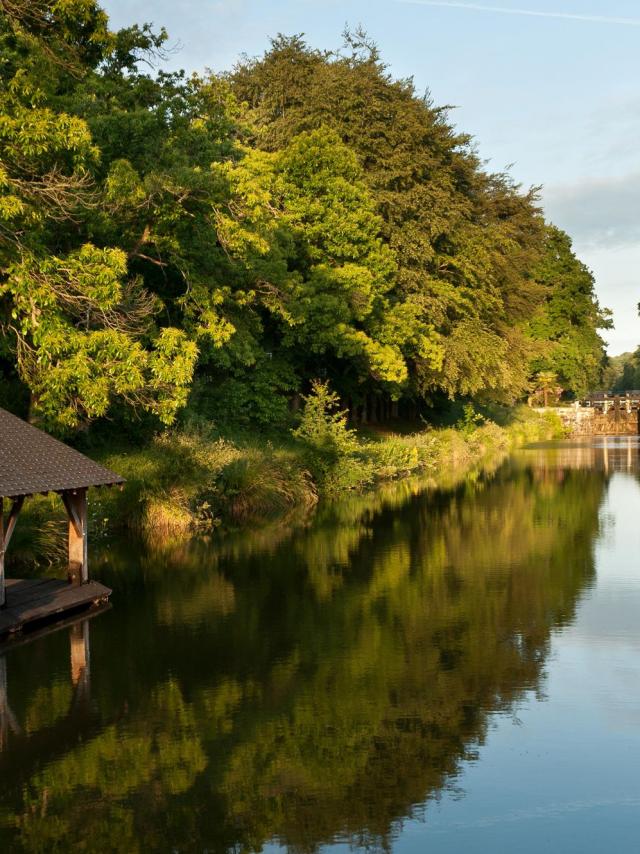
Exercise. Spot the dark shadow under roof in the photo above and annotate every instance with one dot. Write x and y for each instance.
(31, 461)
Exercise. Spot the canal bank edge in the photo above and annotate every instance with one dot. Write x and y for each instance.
(192, 481)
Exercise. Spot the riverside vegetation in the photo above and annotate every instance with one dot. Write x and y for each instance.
(188, 481)
(242, 275)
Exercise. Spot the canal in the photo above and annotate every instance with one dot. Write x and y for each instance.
(418, 670)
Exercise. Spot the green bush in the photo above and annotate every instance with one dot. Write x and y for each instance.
(323, 425)
(394, 457)
(470, 420)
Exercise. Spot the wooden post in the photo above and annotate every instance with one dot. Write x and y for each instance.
(76, 503)
(5, 537)
(3, 595)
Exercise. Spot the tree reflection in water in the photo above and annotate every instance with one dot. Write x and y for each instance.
(301, 687)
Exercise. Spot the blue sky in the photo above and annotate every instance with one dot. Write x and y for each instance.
(548, 87)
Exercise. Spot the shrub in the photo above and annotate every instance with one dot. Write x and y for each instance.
(333, 454)
(323, 425)
(470, 420)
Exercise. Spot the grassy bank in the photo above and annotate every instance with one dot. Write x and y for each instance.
(194, 479)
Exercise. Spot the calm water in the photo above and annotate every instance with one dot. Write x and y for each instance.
(417, 671)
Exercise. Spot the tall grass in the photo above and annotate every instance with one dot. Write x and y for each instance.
(192, 480)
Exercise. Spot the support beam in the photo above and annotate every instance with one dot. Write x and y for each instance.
(3, 595)
(5, 539)
(76, 503)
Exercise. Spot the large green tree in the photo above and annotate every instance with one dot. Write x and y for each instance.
(464, 240)
(566, 325)
(306, 216)
(78, 326)
(303, 225)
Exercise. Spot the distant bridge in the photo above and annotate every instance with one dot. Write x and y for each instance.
(605, 401)
(603, 413)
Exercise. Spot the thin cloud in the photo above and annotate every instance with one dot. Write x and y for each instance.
(532, 13)
(598, 213)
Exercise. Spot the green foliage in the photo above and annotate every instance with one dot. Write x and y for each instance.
(303, 228)
(545, 388)
(566, 326)
(464, 242)
(191, 479)
(77, 330)
(331, 447)
(255, 395)
(622, 373)
(305, 215)
(323, 425)
(470, 420)
(77, 325)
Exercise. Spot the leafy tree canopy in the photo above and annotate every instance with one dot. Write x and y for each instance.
(568, 321)
(78, 326)
(304, 216)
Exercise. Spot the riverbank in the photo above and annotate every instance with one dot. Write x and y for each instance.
(193, 480)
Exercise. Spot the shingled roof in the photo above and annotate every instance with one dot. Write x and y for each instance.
(32, 461)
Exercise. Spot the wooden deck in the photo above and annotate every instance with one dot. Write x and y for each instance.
(33, 601)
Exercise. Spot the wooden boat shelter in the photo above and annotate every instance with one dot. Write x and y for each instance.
(32, 463)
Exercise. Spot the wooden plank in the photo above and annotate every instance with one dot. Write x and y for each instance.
(22, 595)
(49, 601)
(26, 588)
(61, 599)
(13, 620)
(20, 582)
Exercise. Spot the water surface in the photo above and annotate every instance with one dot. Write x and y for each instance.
(418, 670)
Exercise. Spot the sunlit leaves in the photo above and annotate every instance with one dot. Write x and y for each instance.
(80, 328)
(566, 325)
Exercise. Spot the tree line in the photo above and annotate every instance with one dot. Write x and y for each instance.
(622, 373)
(229, 238)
